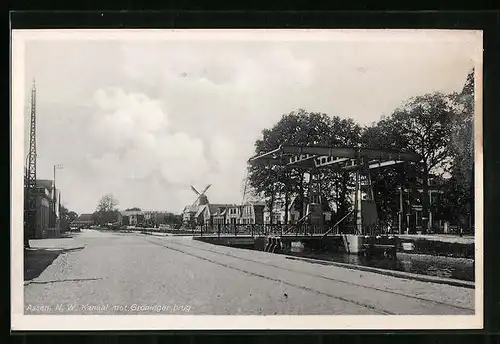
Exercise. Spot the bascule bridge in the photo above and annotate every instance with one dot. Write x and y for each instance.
(357, 160)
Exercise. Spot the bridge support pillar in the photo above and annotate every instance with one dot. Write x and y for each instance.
(353, 243)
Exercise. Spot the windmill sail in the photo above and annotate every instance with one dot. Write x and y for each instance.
(195, 191)
(202, 199)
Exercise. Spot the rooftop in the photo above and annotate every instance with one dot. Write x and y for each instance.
(84, 217)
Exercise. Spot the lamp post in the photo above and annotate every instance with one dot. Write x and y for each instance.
(54, 197)
(400, 217)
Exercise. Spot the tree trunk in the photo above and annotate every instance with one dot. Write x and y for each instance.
(271, 206)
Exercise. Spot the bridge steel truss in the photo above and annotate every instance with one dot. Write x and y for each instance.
(352, 159)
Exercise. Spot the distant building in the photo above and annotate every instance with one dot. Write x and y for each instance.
(52, 193)
(278, 215)
(132, 217)
(412, 202)
(190, 214)
(154, 217)
(233, 214)
(209, 214)
(44, 209)
(252, 213)
(83, 221)
(47, 209)
(219, 218)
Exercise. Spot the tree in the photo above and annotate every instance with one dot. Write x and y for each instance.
(66, 217)
(106, 210)
(388, 182)
(133, 209)
(107, 203)
(459, 189)
(338, 185)
(249, 194)
(296, 128)
(422, 126)
(304, 129)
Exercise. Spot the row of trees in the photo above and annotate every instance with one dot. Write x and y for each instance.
(438, 127)
(107, 212)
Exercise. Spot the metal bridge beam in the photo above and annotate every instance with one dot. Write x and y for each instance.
(325, 161)
(372, 165)
(346, 152)
(265, 161)
(310, 157)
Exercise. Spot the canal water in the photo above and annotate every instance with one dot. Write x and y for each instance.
(447, 267)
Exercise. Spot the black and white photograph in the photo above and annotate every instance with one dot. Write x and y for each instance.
(246, 179)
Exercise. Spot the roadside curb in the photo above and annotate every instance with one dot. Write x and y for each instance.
(165, 235)
(392, 273)
(55, 249)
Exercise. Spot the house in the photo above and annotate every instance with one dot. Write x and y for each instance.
(252, 213)
(209, 214)
(152, 217)
(51, 193)
(233, 214)
(278, 214)
(189, 214)
(44, 209)
(83, 221)
(131, 217)
(413, 207)
(219, 218)
(199, 217)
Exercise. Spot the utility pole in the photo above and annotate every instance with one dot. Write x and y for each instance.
(430, 209)
(357, 202)
(54, 195)
(400, 218)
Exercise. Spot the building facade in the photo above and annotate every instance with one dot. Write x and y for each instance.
(233, 214)
(44, 212)
(47, 210)
(219, 217)
(252, 213)
(190, 214)
(83, 221)
(132, 218)
(280, 213)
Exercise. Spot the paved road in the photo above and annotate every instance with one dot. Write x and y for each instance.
(127, 273)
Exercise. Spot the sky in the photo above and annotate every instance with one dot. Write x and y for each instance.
(144, 119)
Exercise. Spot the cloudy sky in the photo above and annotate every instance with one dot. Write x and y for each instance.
(144, 119)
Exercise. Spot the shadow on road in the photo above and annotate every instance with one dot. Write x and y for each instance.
(37, 260)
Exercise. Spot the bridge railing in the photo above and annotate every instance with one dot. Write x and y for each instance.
(266, 230)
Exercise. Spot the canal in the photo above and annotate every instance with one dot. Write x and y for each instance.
(447, 267)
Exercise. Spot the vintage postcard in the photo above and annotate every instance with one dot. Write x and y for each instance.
(246, 179)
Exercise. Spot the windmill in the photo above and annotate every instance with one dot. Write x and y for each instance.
(202, 199)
